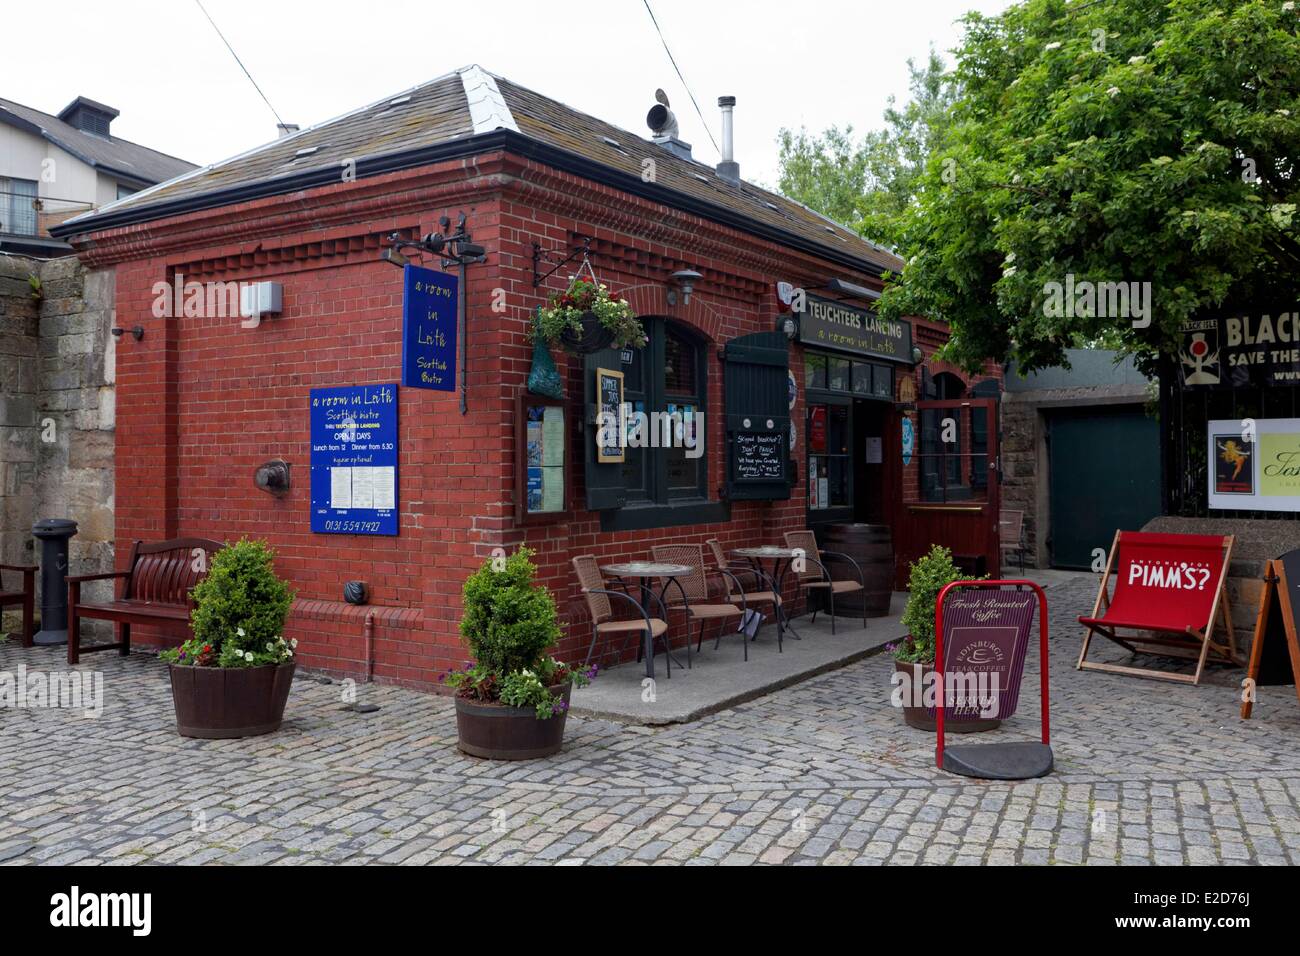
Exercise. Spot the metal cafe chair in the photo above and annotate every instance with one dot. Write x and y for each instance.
(1011, 533)
(765, 592)
(603, 623)
(693, 589)
(820, 581)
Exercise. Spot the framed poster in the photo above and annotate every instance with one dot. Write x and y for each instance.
(429, 302)
(609, 409)
(542, 456)
(1255, 470)
(354, 460)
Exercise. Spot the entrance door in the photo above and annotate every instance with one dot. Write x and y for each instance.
(1104, 474)
(950, 487)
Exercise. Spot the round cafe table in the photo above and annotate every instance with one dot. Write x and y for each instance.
(646, 572)
(781, 558)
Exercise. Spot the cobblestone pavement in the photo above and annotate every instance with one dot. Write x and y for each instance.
(821, 772)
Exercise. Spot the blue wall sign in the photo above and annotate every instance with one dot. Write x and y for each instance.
(429, 329)
(354, 460)
(909, 440)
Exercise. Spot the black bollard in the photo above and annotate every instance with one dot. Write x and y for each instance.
(54, 534)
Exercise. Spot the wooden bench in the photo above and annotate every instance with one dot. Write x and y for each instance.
(155, 591)
(26, 597)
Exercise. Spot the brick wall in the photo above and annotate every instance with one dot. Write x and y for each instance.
(202, 401)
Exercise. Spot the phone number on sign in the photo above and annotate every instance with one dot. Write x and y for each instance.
(359, 526)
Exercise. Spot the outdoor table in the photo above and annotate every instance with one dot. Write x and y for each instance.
(645, 571)
(781, 558)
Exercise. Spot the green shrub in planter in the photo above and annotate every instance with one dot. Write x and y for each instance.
(926, 578)
(510, 625)
(239, 613)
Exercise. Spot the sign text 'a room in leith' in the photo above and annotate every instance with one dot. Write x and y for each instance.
(832, 325)
(429, 329)
(354, 459)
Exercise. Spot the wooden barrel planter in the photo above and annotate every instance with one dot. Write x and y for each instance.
(922, 718)
(872, 546)
(497, 732)
(225, 702)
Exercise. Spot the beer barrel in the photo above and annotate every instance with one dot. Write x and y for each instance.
(872, 546)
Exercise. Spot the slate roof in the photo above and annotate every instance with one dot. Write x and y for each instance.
(114, 155)
(471, 111)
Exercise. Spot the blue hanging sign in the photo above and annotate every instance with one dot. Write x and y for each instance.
(909, 440)
(354, 460)
(429, 329)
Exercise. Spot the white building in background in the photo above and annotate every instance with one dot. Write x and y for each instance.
(55, 167)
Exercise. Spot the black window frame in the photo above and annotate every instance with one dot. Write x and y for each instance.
(655, 504)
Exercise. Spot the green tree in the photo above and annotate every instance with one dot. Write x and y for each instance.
(1149, 141)
(867, 183)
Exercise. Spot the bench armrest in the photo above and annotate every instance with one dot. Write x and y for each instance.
(107, 575)
(25, 568)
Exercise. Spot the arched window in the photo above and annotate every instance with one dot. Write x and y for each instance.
(666, 381)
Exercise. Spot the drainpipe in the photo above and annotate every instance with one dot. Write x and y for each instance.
(370, 646)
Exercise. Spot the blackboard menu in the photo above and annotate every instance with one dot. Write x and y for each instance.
(758, 456)
(609, 416)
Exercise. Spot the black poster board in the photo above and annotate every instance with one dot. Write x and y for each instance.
(758, 456)
(1275, 645)
(609, 408)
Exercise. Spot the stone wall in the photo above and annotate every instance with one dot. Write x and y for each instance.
(1094, 379)
(57, 409)
(1256, 540)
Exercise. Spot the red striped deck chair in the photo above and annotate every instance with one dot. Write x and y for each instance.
(1168, 590)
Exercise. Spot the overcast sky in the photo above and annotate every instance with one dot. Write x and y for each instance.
(807, 63)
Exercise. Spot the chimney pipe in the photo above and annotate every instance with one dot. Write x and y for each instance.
(728, 169)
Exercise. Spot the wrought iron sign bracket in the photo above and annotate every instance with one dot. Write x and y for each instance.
(549, 256)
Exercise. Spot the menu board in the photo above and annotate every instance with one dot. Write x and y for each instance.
(354, 460)
(758, 456)
(544, 449)
(609, 408)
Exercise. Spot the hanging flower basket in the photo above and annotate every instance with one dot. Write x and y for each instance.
(588, 317)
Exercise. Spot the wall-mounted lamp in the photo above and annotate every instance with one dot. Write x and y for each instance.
(137, 332)
(788, 327)
(917, 355)
(685, 280)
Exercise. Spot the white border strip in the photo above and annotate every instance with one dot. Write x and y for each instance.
(487, 107)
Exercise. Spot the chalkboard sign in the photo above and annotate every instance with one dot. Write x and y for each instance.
(609, 416)
(1276, 645)
(429, 329)
(354, 460)
(758, 456)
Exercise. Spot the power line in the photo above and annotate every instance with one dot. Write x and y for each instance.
(240, 62)
(679, 74)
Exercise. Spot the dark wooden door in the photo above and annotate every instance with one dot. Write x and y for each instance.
(951, 486)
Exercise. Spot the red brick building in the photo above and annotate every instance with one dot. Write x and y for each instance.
(204, 399)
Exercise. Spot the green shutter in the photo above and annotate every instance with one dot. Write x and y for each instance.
(605, 488)
(756, 389)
